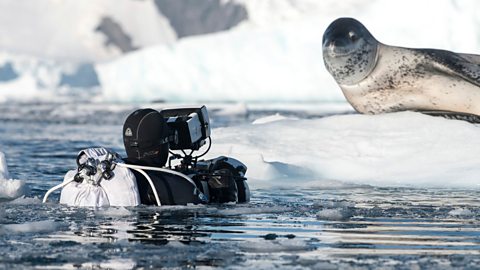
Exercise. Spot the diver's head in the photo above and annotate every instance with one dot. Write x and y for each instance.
(145, 137)
(349, 51)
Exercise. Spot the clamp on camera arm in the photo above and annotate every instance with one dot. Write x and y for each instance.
(188, 161)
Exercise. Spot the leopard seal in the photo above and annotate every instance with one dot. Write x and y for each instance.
(378, 78)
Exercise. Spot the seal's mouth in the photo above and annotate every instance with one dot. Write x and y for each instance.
(335, 51)
(338, 47)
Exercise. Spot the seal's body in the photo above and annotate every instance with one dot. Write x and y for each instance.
(377, 78)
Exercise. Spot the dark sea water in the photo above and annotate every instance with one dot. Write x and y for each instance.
(360, 227)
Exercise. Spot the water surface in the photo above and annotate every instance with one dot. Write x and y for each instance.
(338, 226)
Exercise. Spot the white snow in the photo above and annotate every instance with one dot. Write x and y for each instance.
(10, 188)
(399, 149)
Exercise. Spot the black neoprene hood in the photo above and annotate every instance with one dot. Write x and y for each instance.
(145, 136)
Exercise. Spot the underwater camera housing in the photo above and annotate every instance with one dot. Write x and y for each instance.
(189, 126)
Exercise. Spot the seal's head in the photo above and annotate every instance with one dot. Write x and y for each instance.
(349, 51)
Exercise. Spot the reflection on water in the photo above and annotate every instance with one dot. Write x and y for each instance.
(310, 228)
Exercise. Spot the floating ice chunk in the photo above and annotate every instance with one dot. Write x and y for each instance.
(21, 88)
(26, 201)
(334, 214)
(460, 212)
(10, 188)
(114, 212)
(31, 227)
(335, 204)
(272, 246)
(3, 167)
(116, 263)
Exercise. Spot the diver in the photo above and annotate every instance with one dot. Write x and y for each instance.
(103, 178)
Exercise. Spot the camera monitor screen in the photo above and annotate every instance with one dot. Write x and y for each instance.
(190, 125)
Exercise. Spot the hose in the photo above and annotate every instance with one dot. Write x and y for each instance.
(55, 188)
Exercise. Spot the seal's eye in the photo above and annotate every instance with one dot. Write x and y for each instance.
(353, 37)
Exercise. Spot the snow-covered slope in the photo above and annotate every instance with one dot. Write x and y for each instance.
(400, 149)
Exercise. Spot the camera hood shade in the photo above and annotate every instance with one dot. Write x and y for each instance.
(145, 136)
